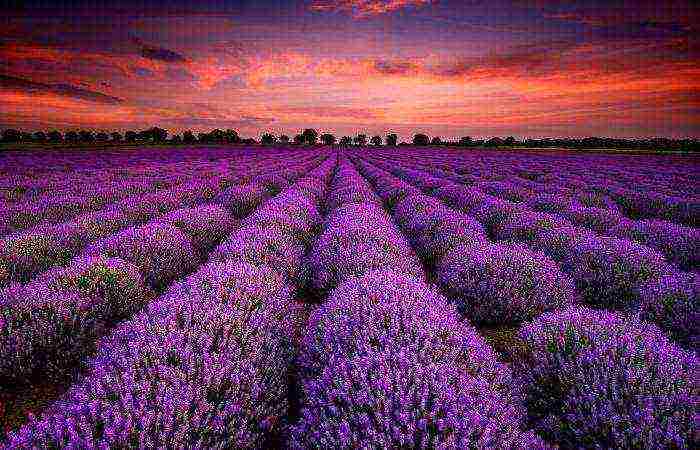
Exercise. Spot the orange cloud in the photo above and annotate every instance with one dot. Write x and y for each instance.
(365, 8)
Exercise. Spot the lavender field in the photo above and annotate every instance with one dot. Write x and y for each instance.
(319, 297)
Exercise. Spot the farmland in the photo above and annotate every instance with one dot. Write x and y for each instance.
(325, 297)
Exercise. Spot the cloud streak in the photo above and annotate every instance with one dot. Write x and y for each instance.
(365, 8)
(64, 90)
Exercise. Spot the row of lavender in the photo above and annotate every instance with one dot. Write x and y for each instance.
(82, 191)
(594, 210)
(592, 378)
(385, 361)
(204, 364)
(650, 187)
(24, 254)
(607, 272)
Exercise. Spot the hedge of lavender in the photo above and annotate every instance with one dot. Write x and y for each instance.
(202, 367)
(386, 363)
(600, 380)
(49, 324)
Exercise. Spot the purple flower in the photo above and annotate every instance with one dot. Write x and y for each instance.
(503, 284)
(601, 380)
(162, 252)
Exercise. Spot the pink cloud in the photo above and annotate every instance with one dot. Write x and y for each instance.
(365, 8)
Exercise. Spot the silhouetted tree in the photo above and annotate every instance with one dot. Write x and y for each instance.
(130, 136)
(346, 141)
(11, 135)
(328, 139)
(436, 141)
(391, 140)
(299, 139)
(39, 136)
(116, 136)
(466, 141)
(203, 138)
(249, 141)
(176, 139)
(216, 136)
(55, 136)
(376, 140)
(510, 141)
(25, 137)
(284, 139)
(72, 136)
(86, 136)
(310, 136)
(267, 139)
(494, 142)
(360, 139)
(231, 136)
(101, 137)
(188, 137)
(420, 139)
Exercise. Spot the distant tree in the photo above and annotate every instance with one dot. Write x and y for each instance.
(86, 136)
(376, 140)
(420, 139)
(231, 136)
(55, 136)
(494, 142)
(249, 141)
(203, 138)
(176, 139)
(391, 140)
(360, 139)
(466, 141)
(346, 141)
(39, 136)
(267, 139)
(328, 139)
(116, 136)
(159, 134)
(25, 137)
(130, 136)
(436, 141)
(101, 137)
(72, 136)
(510, 141)
(188, 137)
(310, 136)
(299, 139)
(284, 139)
(11, 135)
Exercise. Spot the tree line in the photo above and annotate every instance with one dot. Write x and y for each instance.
(310, 136)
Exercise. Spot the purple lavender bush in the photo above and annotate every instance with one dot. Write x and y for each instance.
(496, 284)
(595, 379)
(205, 366)
(270, 246)
(384, 309)
(391, 400)
(609, 272)
(242, 200)
(673, 303)
(162, 252)
(206, 226)
(680, 244)
(599, 220)
(359, 237)
(47, 325)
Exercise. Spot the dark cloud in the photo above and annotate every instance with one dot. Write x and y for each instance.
(158, 53)
(394, 67)
(64, 90)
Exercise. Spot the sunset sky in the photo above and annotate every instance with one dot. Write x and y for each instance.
(448, 68)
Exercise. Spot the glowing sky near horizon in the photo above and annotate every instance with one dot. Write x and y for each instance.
(443, 67)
